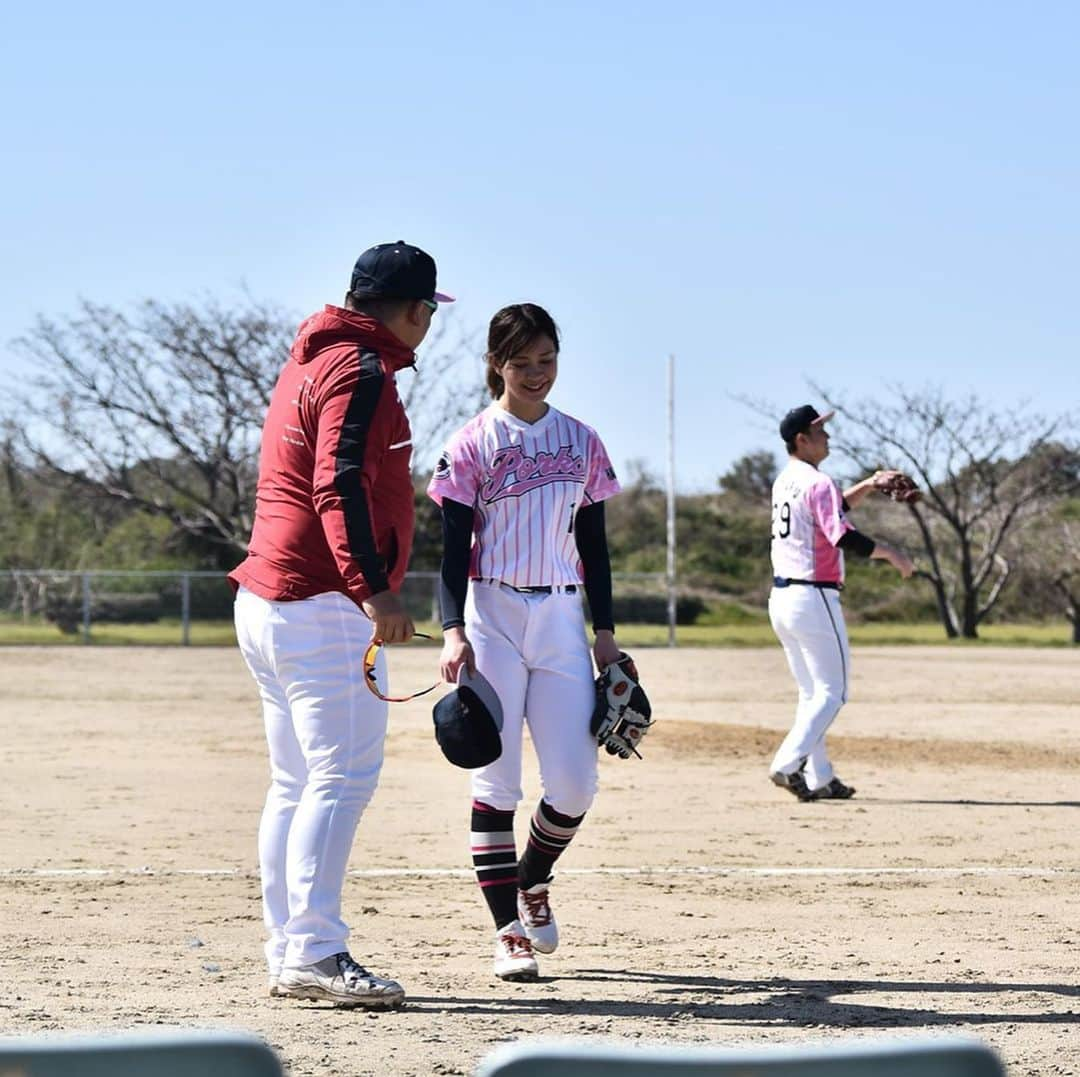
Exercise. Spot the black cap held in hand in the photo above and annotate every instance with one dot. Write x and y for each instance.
(467, 723)
(396, 271)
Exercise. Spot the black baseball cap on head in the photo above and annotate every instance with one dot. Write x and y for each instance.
(799, 420)
(468, 721)
(396, 271)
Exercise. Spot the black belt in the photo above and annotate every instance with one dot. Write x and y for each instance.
(568, 589)
(823, 585)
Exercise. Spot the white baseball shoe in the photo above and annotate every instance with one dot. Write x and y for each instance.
(272, 987)
(340, 980)
(534, 912)
(514, 954)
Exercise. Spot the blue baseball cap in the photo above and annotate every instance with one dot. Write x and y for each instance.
(799, 420)
(396, 271)
(468, 722)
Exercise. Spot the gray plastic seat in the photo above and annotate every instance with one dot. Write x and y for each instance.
(168, 1054)
(864, 1058)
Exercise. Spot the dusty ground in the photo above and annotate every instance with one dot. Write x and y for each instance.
(944, 898)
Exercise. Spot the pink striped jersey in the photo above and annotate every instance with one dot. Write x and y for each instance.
(525, 483)
(807, 522)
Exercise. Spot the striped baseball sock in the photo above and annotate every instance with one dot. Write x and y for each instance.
(495, 859)
(549, 834)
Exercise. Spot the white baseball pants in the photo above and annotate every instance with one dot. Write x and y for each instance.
(325, 731)
(810, 624)
(533, 650)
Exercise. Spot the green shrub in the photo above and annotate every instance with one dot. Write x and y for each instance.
(653, 609)
(67, 612)
(731, 613)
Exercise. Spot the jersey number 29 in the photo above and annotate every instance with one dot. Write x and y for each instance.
(781, 520)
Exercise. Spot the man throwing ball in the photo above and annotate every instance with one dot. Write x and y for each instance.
(810, 534)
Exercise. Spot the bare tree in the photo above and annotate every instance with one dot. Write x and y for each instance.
(751, 476)
(445, 388)
(161, 408)
(1066, 576)
(986, 475)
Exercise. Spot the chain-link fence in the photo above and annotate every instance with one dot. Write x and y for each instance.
(76, 604)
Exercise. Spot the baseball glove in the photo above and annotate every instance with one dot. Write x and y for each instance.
(898, 486)
(622, 715)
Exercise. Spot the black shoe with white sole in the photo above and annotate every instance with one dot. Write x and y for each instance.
(835, 790)
(795, 784)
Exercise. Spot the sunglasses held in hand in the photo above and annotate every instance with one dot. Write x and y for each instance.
(371, 656)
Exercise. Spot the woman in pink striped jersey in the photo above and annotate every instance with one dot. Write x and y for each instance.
(522, 489)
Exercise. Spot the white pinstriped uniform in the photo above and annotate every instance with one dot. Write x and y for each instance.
(525, 483)
(808, 522)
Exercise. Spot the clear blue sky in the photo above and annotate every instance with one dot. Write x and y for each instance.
(773, 191)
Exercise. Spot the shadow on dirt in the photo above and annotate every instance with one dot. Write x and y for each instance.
(776, 1001)
(977, 803)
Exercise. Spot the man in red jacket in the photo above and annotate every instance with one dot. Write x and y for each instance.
(329, 549)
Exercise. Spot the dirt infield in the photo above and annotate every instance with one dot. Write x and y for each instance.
(699, 904)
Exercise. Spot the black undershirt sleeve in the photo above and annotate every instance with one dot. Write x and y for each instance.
(591, 537)
(350, 458)
(857, 543)
(457, 527)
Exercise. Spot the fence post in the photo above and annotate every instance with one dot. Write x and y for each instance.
(85, 577)
(672, 597)
(185, 608)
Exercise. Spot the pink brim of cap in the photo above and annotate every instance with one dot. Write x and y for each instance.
(442, 297)
(821, 419)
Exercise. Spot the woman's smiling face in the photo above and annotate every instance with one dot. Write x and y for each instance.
(528, 376)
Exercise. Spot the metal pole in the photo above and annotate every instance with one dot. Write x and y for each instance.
(86, 607)
(185, 608)
(671, 501)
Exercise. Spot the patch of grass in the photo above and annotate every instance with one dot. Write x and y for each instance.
(731, 614)
(167, 632)
(866, 635)
(1009, 635)
(32, 632)
(1053, 634)
(163, 633)
(750, 633)
(697, 635)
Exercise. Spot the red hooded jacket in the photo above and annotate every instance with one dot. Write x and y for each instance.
(334, 503)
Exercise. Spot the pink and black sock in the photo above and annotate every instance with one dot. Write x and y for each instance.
(549, 834)
(494, 857)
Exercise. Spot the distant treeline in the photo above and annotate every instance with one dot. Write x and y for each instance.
(722, 550)
(133, 444)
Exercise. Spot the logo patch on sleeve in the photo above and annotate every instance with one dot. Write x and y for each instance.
(444, 466)
(610, 472)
